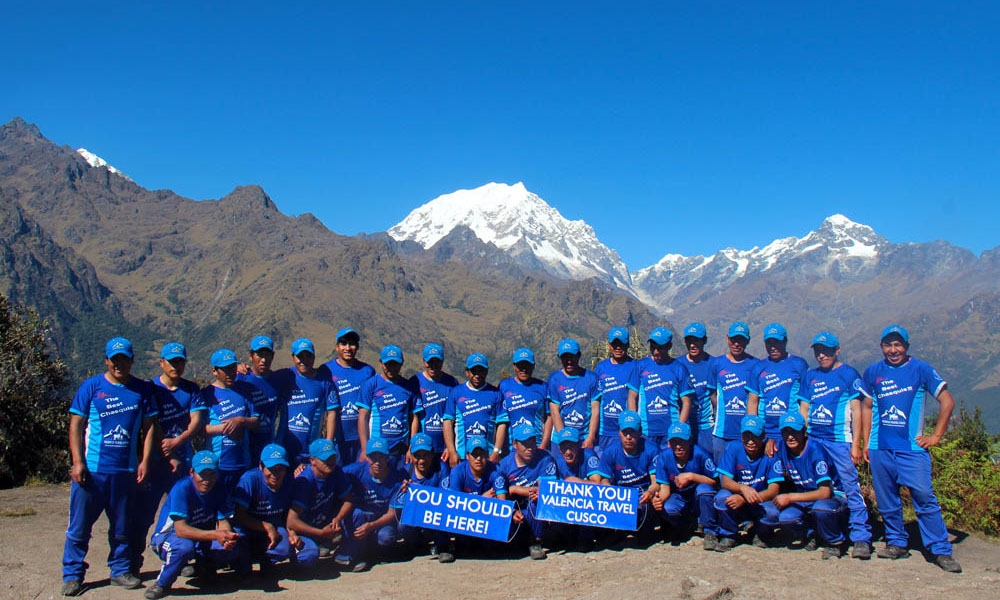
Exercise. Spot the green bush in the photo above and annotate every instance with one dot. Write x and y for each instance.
(966, 479)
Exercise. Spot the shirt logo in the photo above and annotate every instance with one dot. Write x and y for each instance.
(821, 468)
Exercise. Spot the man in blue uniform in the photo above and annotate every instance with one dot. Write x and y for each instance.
(686, 484)
(389, 404)
(231, 418)
(310, 401)
(517, 479)
(322, 504)
(472, 410)
(893, 415)
(614, 373)
(728, 376)
(426, 469)
(378, 494)
(524, 398)
(575, 395)
(110, 414)
(660, 389)
(270, 384)
(262, 498)
(701, 416)
(474, 475)
(775, 381)
(631, 463)
(435, 386)
(348, 373)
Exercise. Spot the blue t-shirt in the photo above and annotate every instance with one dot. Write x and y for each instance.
(509, 473)
(372, 495)
(587, 464)
(461, 479)
(807, 470)
(572, 397)
(319, 500)
(176, 407)
(438, 477)
(224, 404)
(667, 469)
(700, 416)
(269, 406)
(348, 381)
(628, 470)
(828, 395)
(523, 403)
(306, 400)
(201, 511)
(660, 388)
(473, 411)
(898, 395)
(776, 383)
(758, 474)
(433, 400)
(729, 380)
(614, 380)
(260, 501)
(113, 415)
(391, 403)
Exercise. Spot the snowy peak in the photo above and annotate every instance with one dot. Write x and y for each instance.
(96, 161)
(519, 222)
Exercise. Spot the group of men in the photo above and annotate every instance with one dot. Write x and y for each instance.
(297, 463)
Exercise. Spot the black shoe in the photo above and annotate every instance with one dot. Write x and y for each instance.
(188, 571)
(947, 563)
(832, 552)
(536, 552)
(812, 545)
(893, 552)
(446, 557)
(72, 587)
(711, 542)
(725, 544)
(862, 550)
(156, 591)
(760, 542)
(127, 581)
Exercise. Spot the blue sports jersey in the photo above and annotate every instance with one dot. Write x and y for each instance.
(523, 403)
(509, 473)
(729, 380)
(473, 411)
(348, 381)
(701, 416)
(113, 415)
(437, 478)
(660, 388)
(372, 495)
(828, 395)
(572, 397)
(224, 404)
(586, 465)
(758, 474)
(269, 405)
(433, 401)
(260, 501)
(306, 400)
(898, 395)
(175, 408)
(807, 470)
(201, 511)
(391, 403)
(667, 468)
(319, 500)
(461, 479)
(614, 380)
(628, 470)
(776, 384)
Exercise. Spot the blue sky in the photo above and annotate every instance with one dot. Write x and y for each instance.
(668, 126)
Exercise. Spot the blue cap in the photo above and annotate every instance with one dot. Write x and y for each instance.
(433, 351)
(739, 328)
(679, 431)
(474, 442)
(390, 354)
(377, 445)
(775, 331)
(223, 357)
(421, 441)
(477, 360)
(629, 419)
(618, 333)
(523, 432)
(696, 330)
(568, 346)
(118, 345)
(261, 342)
(303, 345)
(173, 350)
(568, 434)
(523, 355)
(825, 338)
(752, 424)
(793, 420)
(898, 330)
(661, 336)
(205, 460)
(348, 332)
(273, 455)
(322, 449)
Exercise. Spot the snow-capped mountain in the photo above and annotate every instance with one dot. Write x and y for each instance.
(96, 161)
(522, 224)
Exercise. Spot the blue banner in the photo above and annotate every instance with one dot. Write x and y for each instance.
(590, 504)
(455, 512)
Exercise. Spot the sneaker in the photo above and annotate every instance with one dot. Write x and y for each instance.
(759, 542)
(812, 545)
(156, 591)
(72, 587)
(324, 552)
(725, 544)
(862, 550)
(187, 571)
(893, 552)
(536, 552)
(127, 581)
(446, 557)
(342, 561)
(360, 567)
(711, 542)
(947, 563)
(832, 552)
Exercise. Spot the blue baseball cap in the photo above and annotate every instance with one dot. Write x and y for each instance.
(303, 345)
(433, 351)
(568, 346)
(118, 345)
(898, 330)
(679, 431)
(173, 350)
(775, 331)
(661, 336)
(273, 455)
(322, 449)
(793, 420)
(696, 330)
(618, 333)
(223, 357)
(474, 442)
(391, 353)
(523, 432)
(477, 360)
(629, 419)
(825, 338)
(261, 342)
(421, 441)
(752, 424)
(377, 445)
(739, 328)
(523, 355)
(568, 434)
(205, 460)
(347, 332)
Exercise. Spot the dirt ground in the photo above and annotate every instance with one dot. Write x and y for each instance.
(31, 550)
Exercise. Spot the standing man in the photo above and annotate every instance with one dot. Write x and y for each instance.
(614, 373)
(575, 395)
(389, 405)
(660, 389)
(435, 386)
(310, 402)
(524, 397)
(701, 416)
(231, 418)
(110, 414)
(893, 417)
(776, 381)
(269, 383)
(348, 374)
(728, 376)
(472, 410)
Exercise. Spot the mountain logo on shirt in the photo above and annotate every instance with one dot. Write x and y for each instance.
(821, 412)
(174, 431)
(349, 409)
(299, 421)
(776, 405)
(393, 424)
(659, 403)
(522, 421)
(476, 429)
(119, 436)
(894, 416)
(574, 418)
(736, 404)
(613, 408)
(434, 421)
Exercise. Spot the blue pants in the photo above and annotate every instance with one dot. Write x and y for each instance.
(801, 518)
(718, 447)
(107, 493)
(147, 498)
(176, 551)
(535, 525)
(256, 543)
(846, 481)
(348, 452)
(894, 468)
(682, 508)
(366, 549)
(704, 439)
(729, 520)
